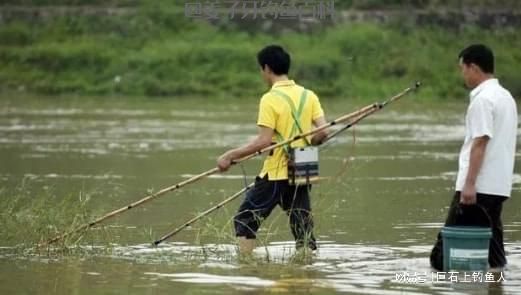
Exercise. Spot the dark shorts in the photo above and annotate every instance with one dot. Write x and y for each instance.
(474, 216)
(262, 199)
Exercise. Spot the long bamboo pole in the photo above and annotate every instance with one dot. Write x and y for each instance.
(341, 119)
(360, 115)
(203, 214)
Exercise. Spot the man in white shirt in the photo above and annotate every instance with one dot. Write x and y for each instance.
(486, 161)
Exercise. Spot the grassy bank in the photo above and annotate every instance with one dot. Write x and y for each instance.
(28, 220)
(160, 52)
(31, 215)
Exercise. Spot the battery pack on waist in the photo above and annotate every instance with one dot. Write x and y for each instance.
(302, 161)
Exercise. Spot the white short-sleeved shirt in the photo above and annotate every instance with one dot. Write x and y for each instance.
(492, 112)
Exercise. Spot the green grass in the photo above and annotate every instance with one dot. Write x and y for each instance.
(159, 52)
(31, 215)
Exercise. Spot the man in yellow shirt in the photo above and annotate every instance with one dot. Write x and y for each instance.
(278, 120)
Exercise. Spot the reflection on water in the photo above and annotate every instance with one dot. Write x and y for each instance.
(375, 224)
(361, 269)
(357, 268)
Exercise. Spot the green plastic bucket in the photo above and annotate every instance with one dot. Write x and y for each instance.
(465, 248)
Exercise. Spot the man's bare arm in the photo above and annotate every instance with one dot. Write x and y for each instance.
(477, 154)
(319, 136)
(262, 140)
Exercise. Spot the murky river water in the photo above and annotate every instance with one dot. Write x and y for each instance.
(387, 193)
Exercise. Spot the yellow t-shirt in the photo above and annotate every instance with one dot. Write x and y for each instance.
(275, 113)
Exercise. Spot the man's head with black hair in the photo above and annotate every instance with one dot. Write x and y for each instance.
(480, 55)
(476, 63)
(274, 61)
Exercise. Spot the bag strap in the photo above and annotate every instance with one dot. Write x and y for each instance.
(294, 112)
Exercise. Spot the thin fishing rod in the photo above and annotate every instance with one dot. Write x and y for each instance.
(130, 206)
(361, 114)
(378, 106)
(203, 214)
(195, 178)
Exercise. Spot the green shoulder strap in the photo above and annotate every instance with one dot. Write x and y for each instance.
(294, 112)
